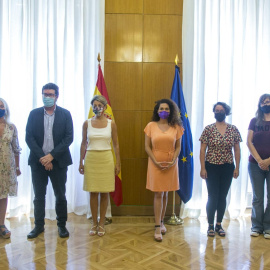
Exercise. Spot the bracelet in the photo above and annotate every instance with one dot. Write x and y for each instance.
(17, 168)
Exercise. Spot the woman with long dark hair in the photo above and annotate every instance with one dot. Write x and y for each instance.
(258, 142)
(163, 144)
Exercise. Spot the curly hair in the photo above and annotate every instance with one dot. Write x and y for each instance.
(259, 112)
(226, 107)
(174, 117)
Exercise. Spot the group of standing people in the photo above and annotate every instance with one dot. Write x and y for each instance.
(218, 167)
(49, 133)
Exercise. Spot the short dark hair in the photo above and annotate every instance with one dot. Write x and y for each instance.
(174, 117)
(52, 86)
(226, 107)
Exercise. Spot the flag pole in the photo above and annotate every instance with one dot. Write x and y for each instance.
(98, 58)
(107, 220)
(174, 220)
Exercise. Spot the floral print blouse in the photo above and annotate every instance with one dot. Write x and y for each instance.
(9, 148)
(219, 147)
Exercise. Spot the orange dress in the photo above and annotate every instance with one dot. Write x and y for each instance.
(163, 148)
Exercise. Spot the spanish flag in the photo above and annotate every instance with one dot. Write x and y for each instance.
(101, 90)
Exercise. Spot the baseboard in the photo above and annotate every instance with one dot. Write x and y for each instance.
(140, 210)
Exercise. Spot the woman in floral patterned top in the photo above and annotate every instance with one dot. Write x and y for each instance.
(9, 163)
(217, 166)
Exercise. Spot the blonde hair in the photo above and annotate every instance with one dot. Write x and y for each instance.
(100, 99)
(7, 113)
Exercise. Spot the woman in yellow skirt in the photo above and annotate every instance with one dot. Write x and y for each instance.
(98, 166)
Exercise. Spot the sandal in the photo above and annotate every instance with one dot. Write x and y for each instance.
(93, 230)
(220, 230)
(210, 231)
(4, 233)
(163, 228)
(99, 233)
(158, 236)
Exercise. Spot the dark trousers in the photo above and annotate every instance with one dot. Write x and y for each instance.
(219, 179)
(58, 177)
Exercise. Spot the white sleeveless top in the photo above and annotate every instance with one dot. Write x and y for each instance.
(99, 139)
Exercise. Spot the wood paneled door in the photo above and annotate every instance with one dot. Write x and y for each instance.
(142, 38)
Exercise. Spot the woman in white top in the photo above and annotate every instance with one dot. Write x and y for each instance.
(98, 166)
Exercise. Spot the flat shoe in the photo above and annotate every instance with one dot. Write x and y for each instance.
(211, 233)
(35, 232)
(63, 232)
(4, 233)
(99, 232)
(220, 231)
(93, 230)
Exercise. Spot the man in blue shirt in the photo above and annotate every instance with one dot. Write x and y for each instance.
(49, 133)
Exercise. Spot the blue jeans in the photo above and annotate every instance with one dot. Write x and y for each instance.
(260, 217)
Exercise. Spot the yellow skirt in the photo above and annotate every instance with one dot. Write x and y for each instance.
(99, 171)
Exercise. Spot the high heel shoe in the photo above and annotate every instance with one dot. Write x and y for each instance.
(99, 232)
(158, 236)
(93, 230)
(163, 228)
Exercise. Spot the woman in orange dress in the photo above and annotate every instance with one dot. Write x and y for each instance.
(163, 145)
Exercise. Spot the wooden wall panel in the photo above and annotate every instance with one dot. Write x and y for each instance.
(157, 83)
(133, 185)
(163, 7)
(123, 6)
(129, 133)
(123, 37)
(142, 38)
(146, 118)
(162, 38)
(125, 81)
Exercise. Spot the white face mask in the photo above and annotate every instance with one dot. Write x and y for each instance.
(98, 110)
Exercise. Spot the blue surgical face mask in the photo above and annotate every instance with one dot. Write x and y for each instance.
(48, 101)
(2, 112)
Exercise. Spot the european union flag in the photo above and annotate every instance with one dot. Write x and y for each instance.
(185, 159)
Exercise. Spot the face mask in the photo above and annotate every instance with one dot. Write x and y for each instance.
(2, 112)
(220, 116)
(163, 114)
(48, 101)
(265, 109)
(97, 111)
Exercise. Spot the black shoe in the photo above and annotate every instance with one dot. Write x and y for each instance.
(35, 232)
(63, 232)
(220, 230)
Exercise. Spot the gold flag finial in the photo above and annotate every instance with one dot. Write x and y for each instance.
(176, 59)
(98, 58)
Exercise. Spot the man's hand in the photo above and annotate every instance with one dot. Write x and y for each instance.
(46, 160)
(49, 167)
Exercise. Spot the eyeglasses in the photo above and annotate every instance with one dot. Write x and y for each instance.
(266, 102)
(48, 95)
